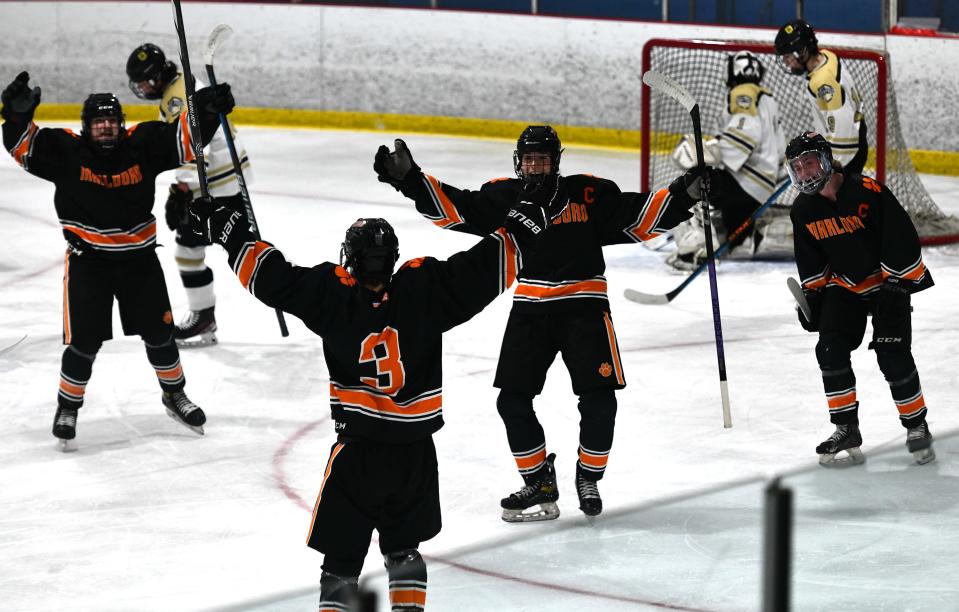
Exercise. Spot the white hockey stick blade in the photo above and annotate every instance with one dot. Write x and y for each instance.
(645, 298)
(665, 85)
(217, 37)
(800, 297)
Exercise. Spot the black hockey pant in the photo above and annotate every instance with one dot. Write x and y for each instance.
(527, 441)
(841, 330)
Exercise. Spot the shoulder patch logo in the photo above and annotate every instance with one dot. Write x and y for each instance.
(826, 93)
(870, 184)
(175, 106)
(744, 101)
(605, 370)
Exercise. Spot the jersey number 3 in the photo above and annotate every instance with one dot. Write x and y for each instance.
(384, 349)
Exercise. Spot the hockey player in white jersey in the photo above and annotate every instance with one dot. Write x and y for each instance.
(832, 93)
(153, 77)
(749, 151)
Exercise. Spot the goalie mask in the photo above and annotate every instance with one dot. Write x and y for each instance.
(370, 251)
(796, 39)
(537, 154)
(149, 72)
(809, 162)
(743, 67)
(103, 136)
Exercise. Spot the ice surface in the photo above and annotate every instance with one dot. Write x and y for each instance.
(148, 516)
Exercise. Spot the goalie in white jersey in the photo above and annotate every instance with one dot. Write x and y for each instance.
(831, 91)
(749, 150)
(153, 77)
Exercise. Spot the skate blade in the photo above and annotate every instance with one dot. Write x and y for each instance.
(853, 456)
(547, 512)
(173, 415)
(924, 456)
(207, 339)
(66, 446)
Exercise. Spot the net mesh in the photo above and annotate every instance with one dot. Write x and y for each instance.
(700, 67)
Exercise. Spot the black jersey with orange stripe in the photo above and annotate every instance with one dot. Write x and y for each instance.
(565, 274)
(383, 350)
(857, 242)
(104, 201)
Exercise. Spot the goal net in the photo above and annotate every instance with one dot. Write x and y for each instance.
(700, 67)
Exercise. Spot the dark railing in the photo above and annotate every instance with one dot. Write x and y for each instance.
(868, 16)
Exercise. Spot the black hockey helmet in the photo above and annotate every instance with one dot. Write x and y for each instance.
(370, 250)
(809, 162)
(537, 139)
(102, 105)
(148, 64)
(796, 39)
(743, 67)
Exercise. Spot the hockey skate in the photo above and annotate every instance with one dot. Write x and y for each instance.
(182, 410)
(198, 328)
(541, 491)
(589, 500)
(845, 438)
(65, 427)
(919, 443)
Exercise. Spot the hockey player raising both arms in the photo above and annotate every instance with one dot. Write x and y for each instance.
(104, 181)
(153, 77)
(382, 340)
(857, 252)
(560, 303)
(750, 151)
(831, 91)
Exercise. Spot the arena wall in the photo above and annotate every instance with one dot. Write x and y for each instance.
(420, 70)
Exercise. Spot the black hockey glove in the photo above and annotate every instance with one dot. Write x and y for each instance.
(395, 168)
(219, 220)
(18, 98)
(537, 207)
(688, 187)
(178, 206)
(815, 306)
(214, 100)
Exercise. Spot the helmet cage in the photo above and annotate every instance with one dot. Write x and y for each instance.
(537, 139)
(798, 165)
(102, 105)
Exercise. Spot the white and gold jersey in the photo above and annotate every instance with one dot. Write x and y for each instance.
(220, 174)
(836, 104)
(752, 142)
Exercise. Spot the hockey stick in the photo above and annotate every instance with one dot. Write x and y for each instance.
(217, 37)
(796, 289)
(195, 140)
(666, 86)
(664, 298)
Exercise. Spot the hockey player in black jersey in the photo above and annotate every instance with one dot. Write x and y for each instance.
(104, 179)
(857, 252)
(560, 302)
(382, 340)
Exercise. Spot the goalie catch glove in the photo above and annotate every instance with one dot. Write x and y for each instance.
(688, 187)
(219, 220)
(396, 168)
(19, 99)
(537, 207)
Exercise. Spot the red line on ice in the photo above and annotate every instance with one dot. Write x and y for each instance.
(280, 475)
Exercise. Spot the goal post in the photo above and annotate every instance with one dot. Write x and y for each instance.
(700, 67)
